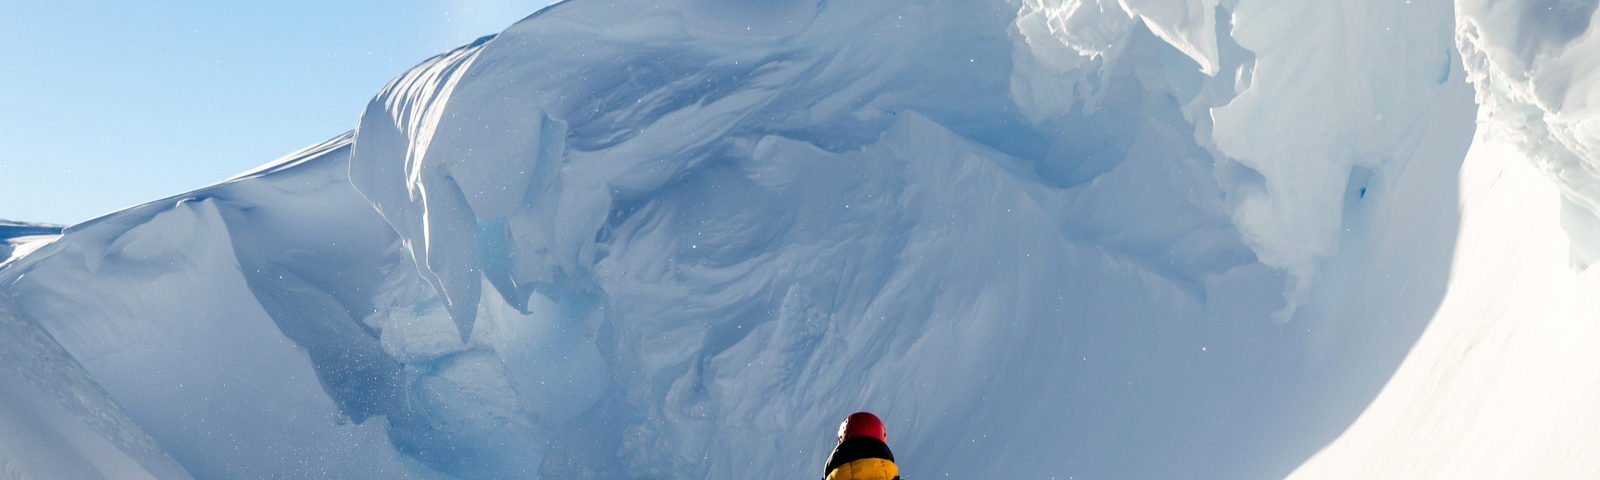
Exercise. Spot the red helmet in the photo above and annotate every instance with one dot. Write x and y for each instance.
(862, 424)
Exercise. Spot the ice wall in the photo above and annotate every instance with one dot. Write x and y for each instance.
(681, 239)
(1379, 68)
(669, 181)
(682, 182)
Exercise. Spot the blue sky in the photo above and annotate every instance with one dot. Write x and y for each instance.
(105, 105)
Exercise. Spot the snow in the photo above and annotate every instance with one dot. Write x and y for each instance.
(1535, 66)
(18, 239)
(1501, 384)
(1040, 238)
(55, 422)
(1326, 134)
(1189, 25)
(153, 303)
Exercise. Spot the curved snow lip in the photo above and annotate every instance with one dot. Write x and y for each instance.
(297, 158)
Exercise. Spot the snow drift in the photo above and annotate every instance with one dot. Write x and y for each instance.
(682, 239)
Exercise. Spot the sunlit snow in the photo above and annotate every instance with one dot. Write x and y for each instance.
(1210, 239)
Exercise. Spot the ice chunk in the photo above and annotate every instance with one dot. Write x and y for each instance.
(1060, 44)
(1057, 47)
(1089, 28)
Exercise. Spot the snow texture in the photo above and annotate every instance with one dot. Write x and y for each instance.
(683, 238)
(55, 422)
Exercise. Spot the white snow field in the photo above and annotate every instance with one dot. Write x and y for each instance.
(682, 239)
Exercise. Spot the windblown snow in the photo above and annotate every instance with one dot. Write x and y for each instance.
(1212, 239)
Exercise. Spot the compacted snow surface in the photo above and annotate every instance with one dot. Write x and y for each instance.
(1041, 238)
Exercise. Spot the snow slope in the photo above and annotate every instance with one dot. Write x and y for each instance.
(1537, 68)
(55, 422)
(156, 303)
(683, 238)
(1502, 384)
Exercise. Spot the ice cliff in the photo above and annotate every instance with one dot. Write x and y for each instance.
(683, 238)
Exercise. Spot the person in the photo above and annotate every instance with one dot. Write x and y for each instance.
(862, 453)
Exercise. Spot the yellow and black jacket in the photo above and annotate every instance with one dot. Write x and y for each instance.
(862, 458)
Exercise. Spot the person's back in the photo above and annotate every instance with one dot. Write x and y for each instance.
(862, 453)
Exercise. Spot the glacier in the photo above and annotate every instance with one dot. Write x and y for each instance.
(1213, 239)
